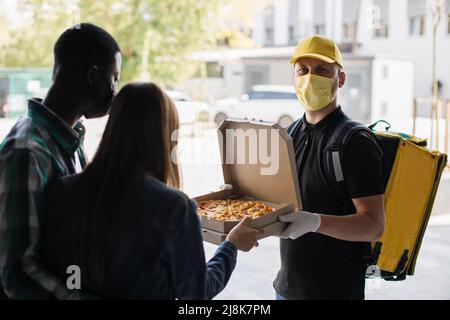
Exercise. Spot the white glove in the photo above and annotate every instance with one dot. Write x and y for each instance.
(300, 223)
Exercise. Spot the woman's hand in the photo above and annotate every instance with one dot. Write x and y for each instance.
(243, 237)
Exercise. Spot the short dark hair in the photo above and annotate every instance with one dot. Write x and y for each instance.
(83, 46)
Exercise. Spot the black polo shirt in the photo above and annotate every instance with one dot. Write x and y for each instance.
(317, 266)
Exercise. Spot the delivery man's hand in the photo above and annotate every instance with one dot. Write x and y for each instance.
(244, 237)
(300, 223)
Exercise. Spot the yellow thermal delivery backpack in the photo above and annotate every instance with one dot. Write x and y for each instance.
(409, 196)
(412, 174)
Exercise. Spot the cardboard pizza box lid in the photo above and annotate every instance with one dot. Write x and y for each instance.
(258, 160)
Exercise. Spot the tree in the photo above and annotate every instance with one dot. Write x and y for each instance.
(31, 44)
(3, 32)
(235, 23)
(436, 17)
(155, 35)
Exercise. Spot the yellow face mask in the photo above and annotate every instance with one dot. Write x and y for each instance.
(313, 91)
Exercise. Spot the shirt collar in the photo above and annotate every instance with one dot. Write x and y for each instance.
(326, 122)
(68, 138)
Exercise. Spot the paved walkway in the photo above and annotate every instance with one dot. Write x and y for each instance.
(256, 270)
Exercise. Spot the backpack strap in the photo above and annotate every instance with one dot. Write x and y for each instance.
(334, 163)
(334, 152)
(293, 127)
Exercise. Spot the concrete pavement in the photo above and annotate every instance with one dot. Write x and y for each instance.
(256, 270)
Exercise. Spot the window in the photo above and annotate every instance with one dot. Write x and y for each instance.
(271, 95)
(383, 108)
(385, 72)
(319, 17)
(417, 26)
(319, 29)
(380, 18)
(210, 70)
(291, 35)
(269, 17)
(448, 23)
(349, 30)
(256, 95)
(293, 21)
(269, 37)
(280, 96)
(248, 32)
(354, 80)
(382, 31)
(350, 13)
(214, 70)
(416, 16)
(447, 6)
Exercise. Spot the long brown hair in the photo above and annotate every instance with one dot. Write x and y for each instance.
(137, 136)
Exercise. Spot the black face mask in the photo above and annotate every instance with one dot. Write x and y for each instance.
(101, 105)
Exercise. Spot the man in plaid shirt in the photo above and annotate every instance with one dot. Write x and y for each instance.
(45, 145)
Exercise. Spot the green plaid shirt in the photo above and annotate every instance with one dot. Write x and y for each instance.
(39, 149)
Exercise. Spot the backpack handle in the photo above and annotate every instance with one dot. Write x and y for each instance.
(372, 126)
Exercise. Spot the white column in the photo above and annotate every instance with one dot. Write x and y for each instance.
(365, 32)
(398, 20)
(334, 20)
(258, 20)
(306, 18)
(281, 23)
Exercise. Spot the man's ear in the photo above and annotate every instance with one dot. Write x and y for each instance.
(342, 78)
(91, 75)
(93, 79)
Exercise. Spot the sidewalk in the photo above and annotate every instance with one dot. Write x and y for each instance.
(255, 271)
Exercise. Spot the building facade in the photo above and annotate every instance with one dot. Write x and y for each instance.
(365, 27)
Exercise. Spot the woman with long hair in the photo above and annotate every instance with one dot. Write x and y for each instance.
(124, 222)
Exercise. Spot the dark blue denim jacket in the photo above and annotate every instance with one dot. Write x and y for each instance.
(154, 247)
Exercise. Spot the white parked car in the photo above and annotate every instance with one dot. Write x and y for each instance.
(264, 102)
(188, 109)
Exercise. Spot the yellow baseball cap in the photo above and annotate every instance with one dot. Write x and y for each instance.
(320, 48)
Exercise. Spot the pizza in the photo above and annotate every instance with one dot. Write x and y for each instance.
(232, 210)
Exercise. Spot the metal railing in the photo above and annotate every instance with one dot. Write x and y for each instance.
(435, 114)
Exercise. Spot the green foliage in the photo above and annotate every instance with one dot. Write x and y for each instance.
(155, 35)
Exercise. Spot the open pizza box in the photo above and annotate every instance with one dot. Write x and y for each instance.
(258, 163)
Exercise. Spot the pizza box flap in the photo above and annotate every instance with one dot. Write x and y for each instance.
(258, 160)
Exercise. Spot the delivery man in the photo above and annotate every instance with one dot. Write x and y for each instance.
(322, 247)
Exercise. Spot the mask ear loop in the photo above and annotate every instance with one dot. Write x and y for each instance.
(339, 85)
(337, 77)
